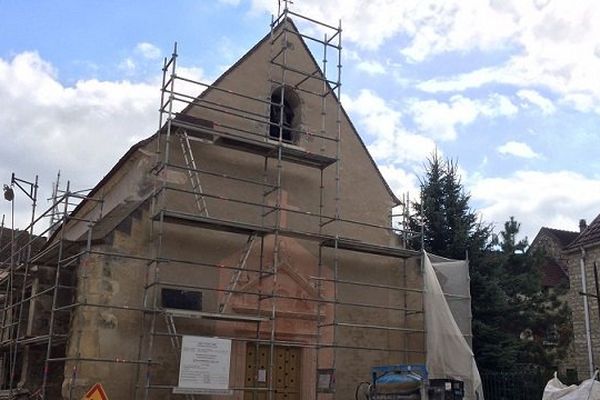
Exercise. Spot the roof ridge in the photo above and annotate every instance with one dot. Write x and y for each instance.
(558, 230)
(589, 236)
(278, 25)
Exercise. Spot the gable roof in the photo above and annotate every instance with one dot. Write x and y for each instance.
(103, 181)
(254, 48)
(113, 219)
(589, 236)
(563, 237)
(222, 77)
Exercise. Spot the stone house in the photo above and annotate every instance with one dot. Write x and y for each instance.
(555, 279)
(582, 254)
(571, 252)
(254, 219)
(553, 242)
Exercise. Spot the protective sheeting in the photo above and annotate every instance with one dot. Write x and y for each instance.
(454, 279)
(587, 390)
(448, 353)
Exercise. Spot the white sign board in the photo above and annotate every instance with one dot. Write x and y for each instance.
(204, 365)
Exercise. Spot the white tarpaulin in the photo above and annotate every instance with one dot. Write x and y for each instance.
(556, 390)
(448, 353)
(454, 279)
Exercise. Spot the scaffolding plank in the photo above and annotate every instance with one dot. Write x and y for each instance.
(205, 130)
(370, 248)
(50, 254)
(196, 127)
(269, 148)
(36, 340)
(177, 313)
(180, 218)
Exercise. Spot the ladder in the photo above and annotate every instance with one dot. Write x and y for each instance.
(235, 277)
(175, 342)
(192, 171)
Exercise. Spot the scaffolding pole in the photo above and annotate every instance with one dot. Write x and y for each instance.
(214, 124)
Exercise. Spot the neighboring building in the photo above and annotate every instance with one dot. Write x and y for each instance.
(255, 215)
(553, 242)
(564, 252)
(555, 280)
(584, 250)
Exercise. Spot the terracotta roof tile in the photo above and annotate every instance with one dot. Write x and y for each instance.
(564, 237)
(590, 235)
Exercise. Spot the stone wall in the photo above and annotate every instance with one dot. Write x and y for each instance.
(106, 336)
(552, 248)
(577, 309)
(105, 331)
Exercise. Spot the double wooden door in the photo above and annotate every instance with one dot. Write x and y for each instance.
(286, 369)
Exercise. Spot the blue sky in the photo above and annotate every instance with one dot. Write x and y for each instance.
(510, 89)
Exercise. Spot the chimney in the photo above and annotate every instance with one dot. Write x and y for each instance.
(582, 225)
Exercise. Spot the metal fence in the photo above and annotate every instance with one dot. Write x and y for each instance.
(513, 385)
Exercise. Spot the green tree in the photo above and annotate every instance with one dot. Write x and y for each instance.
(533, 310)
(509, 244)
(452, 229)
(507, 297)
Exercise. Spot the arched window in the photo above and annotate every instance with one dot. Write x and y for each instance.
(290, 121)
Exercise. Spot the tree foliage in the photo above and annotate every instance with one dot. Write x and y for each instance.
(507, 297)
(451, 228)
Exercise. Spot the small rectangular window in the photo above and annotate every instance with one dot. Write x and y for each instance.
(181, 299)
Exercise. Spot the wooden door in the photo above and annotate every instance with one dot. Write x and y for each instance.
(286, 368)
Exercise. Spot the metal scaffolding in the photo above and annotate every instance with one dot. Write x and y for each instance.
(54, 281)
(36, 282)
(276, 151)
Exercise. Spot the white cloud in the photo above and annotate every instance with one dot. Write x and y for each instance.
(142, 60)
(549, 44)
(554, 199)
(371, 67)
(351, 55)
(389, 141)
(398, 152)
(148, 50)
(533, 97)
(400, 180)
(441, 27)
(128, 65)
(433, 27)
(583, 102)
(556, 49)
(68, 124)
(498, 105)
(440, 119)
(517, 149)
(82, 129)
(461, 82)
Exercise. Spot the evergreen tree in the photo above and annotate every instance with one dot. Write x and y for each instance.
(507, 299)
(509, 244)
(451, 228)
(534, 312)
